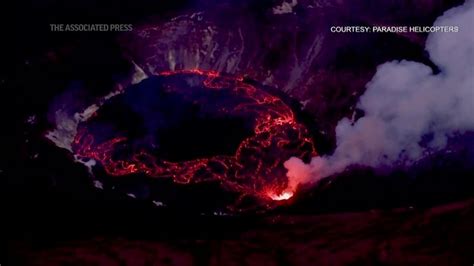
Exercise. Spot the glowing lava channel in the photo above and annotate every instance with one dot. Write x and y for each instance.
(257, 164)
(286, 195)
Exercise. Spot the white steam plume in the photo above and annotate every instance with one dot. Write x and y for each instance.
(409, 110)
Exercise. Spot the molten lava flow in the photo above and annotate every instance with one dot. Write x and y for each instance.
(253, 168)
(286, 195)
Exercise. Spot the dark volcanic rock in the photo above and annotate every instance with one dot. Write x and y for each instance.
(436, 236)
(292, 50)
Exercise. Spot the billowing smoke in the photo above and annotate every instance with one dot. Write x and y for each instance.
(409, 110)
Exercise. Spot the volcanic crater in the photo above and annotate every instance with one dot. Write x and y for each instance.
(194, 127)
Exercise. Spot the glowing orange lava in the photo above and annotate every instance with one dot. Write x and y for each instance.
(286, 195)
(257, 164)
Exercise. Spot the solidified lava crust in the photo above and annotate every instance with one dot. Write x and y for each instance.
(197, 126)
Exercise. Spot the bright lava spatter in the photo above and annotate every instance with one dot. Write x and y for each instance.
(256, 167)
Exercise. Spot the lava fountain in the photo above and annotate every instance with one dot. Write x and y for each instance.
(197, 126)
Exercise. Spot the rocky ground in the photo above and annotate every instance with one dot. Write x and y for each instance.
(441, 235)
